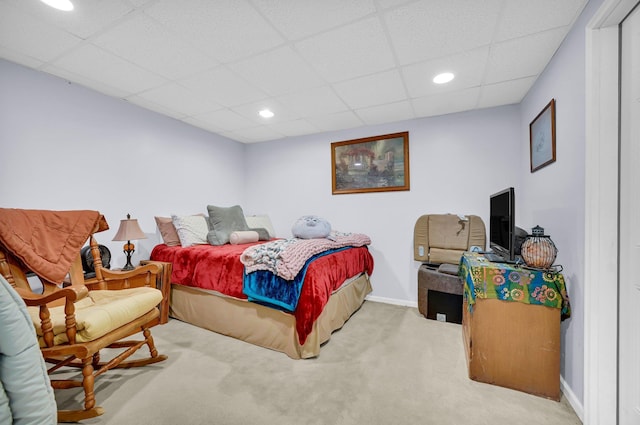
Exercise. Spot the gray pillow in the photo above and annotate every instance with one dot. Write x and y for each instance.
(224, 221)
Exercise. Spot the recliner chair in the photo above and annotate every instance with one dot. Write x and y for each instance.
(439, 240)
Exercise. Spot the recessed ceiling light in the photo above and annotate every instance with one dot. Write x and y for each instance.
(443, 78)
(65, 5)
(266, 113)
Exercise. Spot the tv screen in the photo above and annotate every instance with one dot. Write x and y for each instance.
(502, 223)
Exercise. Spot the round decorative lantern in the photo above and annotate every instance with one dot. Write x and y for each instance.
(538, 250)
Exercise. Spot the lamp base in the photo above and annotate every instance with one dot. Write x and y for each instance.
(129, 249)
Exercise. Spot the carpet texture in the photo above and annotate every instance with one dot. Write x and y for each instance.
(387, 365)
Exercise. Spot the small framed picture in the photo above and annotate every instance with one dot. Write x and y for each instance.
(371, 164)
(542, 137)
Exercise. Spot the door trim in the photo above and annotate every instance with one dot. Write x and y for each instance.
(601, 212)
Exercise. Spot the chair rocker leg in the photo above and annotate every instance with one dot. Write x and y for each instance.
(133, 346)
(66, 416)
(90, 409)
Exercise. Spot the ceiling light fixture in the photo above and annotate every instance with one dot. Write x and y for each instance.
(65, 5)
(266, 113)
(443, 78)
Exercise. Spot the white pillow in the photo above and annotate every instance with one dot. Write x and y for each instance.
(192, 229)
(261, 221)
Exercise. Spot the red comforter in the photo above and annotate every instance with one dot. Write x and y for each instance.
(219, 268)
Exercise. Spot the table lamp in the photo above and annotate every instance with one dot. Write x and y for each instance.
(129, 229)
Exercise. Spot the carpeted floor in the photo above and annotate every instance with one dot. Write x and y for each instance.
(388, 365)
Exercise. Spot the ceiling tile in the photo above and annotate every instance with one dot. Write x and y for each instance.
(390, 112)
(99, 86)
(225, 120)
(319, 65)
(281, 112)
(95, 64)
(316, 101)
(149, 45)
(191, 102)
(386, 4)
(19, 57)
(294, 128)
(350, 51)
(224, 86)
(505, 93)
(430, 29)
(225, 30)
(88, 16)
(446, 103)
(468, 68)
(522, 57)
(156, 107)
(524, 17)
(337, 121)
(278, 72)
(255, 134)
(297, 19)
(32, 37)
(139, 3)
(205, 125)
(371, 90)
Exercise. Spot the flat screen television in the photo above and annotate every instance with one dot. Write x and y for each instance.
(502, 227)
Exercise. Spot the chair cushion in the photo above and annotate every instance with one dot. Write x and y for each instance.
(451, 256)
(100, 312)
(448, 231)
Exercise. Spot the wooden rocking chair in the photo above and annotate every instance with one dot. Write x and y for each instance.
(72, 322)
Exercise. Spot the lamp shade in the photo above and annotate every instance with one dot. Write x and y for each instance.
(129, 230)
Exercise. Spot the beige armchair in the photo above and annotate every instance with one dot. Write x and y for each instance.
(442, 238)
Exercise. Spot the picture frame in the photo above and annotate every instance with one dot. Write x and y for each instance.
(370, 164)
(542, 137)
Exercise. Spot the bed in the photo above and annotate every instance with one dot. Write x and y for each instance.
(207, 291)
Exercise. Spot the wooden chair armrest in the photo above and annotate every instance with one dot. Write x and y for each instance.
(146, 275)
(128, 274)
(70, 293)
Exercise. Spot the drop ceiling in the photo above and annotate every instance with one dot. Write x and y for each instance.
(318, 65)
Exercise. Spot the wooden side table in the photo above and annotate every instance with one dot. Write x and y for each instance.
(163, 283)
(511, 325)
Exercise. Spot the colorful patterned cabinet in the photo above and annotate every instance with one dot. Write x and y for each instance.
(511, 325)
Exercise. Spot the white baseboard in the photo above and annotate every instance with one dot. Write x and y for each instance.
(393, 301)
(572, 399)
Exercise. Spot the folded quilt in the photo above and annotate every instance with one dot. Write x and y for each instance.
(264, 287)
(286, 257)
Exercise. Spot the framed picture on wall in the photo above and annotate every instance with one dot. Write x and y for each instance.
(371, 164)
(542, 137)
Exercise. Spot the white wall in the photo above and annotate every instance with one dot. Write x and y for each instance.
(456, 162)
(66, 147)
